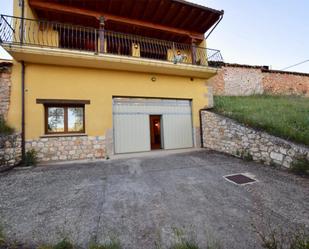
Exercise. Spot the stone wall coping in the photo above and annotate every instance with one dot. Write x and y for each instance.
(279, 140)
(242, 65)
(264, 69)
(64, 135)
(284, 72)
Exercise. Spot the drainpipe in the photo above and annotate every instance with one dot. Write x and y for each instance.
(221, 17)
(201, 128)
(23, 144)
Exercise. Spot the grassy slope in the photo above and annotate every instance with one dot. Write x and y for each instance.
(286, 117)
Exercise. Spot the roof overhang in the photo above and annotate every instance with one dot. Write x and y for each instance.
(158, 17)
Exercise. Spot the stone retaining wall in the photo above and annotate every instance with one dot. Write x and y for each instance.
(242, 80)
(68, 148)
(10, 150)
(225, 135)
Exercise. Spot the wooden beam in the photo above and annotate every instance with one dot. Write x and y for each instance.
(64, 9)
(197, 20)
(158, 9)
(148, 10)
(188, 18)
(109, 8)
(169, 17)
(206, 21)
(179, 16)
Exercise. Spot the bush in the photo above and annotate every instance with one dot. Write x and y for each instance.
(31, 158)
(63, 244)
(300, 166)
(4, 128)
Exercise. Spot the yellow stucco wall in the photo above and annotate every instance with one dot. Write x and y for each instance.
(99, 86)
(17, 10)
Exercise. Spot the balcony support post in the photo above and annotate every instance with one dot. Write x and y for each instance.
(102, 34)
(96, 49)
(193, 51)
(22, 22)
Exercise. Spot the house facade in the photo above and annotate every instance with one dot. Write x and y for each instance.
(97, 78)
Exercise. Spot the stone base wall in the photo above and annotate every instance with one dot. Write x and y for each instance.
(10, 150)
(242, 80)
(5, 87)
(68, 148)
(225, 135)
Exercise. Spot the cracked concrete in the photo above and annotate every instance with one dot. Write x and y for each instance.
(140, 200)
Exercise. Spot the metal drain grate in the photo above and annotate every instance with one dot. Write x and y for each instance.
(239, 179)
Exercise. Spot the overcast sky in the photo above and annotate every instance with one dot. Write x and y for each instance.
(257, 32)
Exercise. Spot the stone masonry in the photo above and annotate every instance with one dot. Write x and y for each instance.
(10, 150)
(225, 135)
(242, 80)
(5, 87)
(286, 84)
(68, 148)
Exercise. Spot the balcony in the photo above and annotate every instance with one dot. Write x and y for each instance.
(59, 43)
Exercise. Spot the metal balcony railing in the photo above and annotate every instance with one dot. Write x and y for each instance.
(29, 32)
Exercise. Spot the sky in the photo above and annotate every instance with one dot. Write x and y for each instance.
(256, 32)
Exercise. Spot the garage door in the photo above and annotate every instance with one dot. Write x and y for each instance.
(132, 128)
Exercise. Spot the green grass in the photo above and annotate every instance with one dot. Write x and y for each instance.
(2, 237)
(283, 116)
(185, 244)
(113, 244)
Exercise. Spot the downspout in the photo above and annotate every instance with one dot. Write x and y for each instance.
(23, 143)
(201, 110)
(201, 128)
(221, 17)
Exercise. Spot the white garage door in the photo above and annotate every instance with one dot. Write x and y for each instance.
(132, 126)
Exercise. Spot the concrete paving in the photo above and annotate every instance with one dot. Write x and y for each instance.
(142, 200)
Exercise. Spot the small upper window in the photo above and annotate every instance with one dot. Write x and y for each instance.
(64, 119)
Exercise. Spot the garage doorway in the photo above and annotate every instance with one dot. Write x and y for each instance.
(132, 124)
(155, 132)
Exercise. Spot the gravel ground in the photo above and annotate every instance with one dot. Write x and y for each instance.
(142, 200)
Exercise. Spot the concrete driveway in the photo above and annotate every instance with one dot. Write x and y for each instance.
(141, 200)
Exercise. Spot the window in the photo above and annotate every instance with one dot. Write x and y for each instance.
(64, 119)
